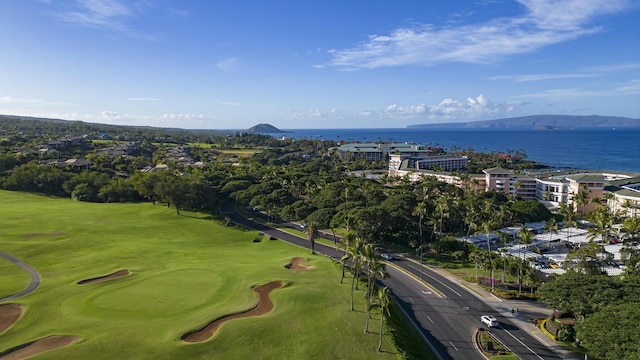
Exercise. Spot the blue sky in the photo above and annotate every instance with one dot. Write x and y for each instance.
(211, 64)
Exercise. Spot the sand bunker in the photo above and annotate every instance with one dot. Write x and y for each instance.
(296, 264)
(28, 350)
(9, 314)
(264, 306)
(115, 275)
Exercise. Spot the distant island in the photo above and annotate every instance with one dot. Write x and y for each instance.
(265, 129)
(540, 122)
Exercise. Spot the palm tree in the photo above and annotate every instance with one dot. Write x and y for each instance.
(526, 236)
(443, 205)
(381, 301)
(347, 242)
(551, 227)
(312, 234)
(631, 229)
(567, 211)
(602, 224)
(491, 263)
(420, 211)
(471, 218)
(356, 264)
(375, 269)
(505, 239)
(477, 256)
(581, 198)
(488, 226)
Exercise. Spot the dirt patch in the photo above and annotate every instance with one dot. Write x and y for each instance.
(115, 275)
(34, 348)
(296, 264)
(264, 306)
(9, 314)
(35, 235)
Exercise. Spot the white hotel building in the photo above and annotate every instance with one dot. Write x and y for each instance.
(551, 189)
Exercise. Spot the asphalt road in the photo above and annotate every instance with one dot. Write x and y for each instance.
(33, 273)
(444, 312)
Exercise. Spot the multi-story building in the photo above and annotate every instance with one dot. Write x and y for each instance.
(379, 151)
(621, 190)
(398, 161)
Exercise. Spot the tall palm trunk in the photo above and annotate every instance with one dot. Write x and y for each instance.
(381, 323)
(352, 285)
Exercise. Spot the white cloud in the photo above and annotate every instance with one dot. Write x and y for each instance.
(569, 14)
(315, 114)
(183, 116)
(451, 109)
(544, 22)
(478, 108)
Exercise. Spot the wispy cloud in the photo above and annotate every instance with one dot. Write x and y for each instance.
(31, 102)
(630, 87)
(540, 77)
(110, 14)
(589, 72)
(543, 23)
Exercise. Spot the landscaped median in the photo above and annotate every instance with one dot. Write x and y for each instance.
(490, 347)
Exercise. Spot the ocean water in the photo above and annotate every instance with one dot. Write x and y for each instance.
(573, 149)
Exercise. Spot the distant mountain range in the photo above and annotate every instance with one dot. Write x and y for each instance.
(541, 122)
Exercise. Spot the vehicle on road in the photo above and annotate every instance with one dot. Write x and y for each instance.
(386, 256)
(490, 321)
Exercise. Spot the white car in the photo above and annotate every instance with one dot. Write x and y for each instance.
(386, 256)
(489, 320)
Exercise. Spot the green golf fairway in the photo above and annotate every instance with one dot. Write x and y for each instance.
(185, 271)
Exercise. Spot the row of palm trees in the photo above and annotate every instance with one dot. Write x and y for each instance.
(362, 261)
(516, 266)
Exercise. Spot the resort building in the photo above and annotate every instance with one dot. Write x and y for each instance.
(626, 196)
(379, 151)
(620, 190)
(406, 162)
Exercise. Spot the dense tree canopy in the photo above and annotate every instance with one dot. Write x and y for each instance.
(585, 295)
(612, 332)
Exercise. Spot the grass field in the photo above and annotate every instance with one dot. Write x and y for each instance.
(185, 271)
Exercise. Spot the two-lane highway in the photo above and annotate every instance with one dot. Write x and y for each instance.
(459, 312)
(444, 312)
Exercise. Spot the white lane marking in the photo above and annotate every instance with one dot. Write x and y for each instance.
(523, 344)
(426, 292)
(453, 346)
(443, 284)
(428, 317)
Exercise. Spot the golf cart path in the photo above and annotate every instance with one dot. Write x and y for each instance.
(35, 278)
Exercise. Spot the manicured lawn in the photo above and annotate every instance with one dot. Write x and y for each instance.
(185, 271)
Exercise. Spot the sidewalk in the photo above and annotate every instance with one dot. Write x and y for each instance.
(527, 311)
